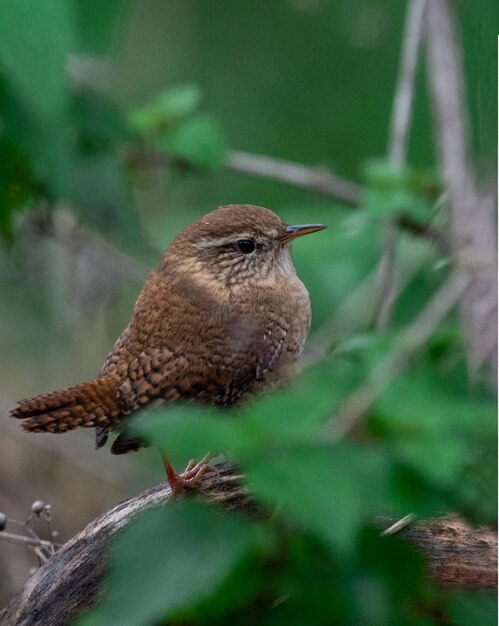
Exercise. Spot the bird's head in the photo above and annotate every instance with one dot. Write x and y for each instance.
(237, 244)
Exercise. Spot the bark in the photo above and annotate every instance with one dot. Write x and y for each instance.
(71, 581)
(473, 221)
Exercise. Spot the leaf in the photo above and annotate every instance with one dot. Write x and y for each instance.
(171, 106)
(329, 489)
(438, 429)
(295, 414)
(199, 139)
(180, 555)
(188, 431)
(35, 39)
(98, 123)
(283, 418)
(15, 184)
(440, 459)
(98, 24)
(390, 192)
(478, 608)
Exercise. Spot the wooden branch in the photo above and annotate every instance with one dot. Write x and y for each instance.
(70, 582)
(413, 338)
(314, 179)
(317, 179)
(473, 218)
(400, 124)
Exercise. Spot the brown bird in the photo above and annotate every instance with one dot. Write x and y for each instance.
(223, 317)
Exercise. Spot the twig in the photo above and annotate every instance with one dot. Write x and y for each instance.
(358, 310)
(415, 335)
(29, 541)
(397, 152)
(399, 525)
(311, 178)
(402, 104)
(104, 254)
(473, 219)
(314, 179)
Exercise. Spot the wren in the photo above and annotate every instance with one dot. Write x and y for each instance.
(222, 318)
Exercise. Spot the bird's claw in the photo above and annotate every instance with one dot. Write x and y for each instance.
(191, 477)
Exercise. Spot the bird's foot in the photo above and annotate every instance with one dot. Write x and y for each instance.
(191, 477)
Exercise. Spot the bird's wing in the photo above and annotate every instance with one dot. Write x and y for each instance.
(269, 349)
(156, 376)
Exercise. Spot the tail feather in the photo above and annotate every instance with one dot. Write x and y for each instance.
(89, 404)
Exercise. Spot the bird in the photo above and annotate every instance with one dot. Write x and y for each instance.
(221, 319)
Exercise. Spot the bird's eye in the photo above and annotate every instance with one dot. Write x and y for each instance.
(246, 245)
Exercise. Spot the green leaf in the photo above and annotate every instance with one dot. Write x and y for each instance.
(444, 433)
(477, 608)
(171, 106)
(279, 419)
(330, 489)
(199, 139)
(383, 175)
(188, 431)
(390, 192)
(422, 454)
(99, 125)
(180, 555)
(98, 24)
(295, 414)
(35, 39)
(15, 184)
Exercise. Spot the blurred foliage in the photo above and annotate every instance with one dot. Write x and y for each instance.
(315, 85)
(428, 446)
(392, 192)
(171, 124)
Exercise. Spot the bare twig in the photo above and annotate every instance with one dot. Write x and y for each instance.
(358, 310)
(311, 178)
(397, 151)
(359, 402)
(319, 180)
(22, 539)
(473, 219)
(27, 537)
(399, 525)
(402, 104)
(105, 255)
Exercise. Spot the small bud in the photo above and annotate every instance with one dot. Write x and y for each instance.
(3, 521)
(47, 510)
(32, 570)
(37, 507)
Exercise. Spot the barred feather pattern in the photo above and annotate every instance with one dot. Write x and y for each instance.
(88, 404)
(211, 325)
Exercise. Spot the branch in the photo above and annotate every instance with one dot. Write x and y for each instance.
(415, 336)
(473, 219)
(357, 311)
(402, 104)
(311, 178)
(315, 179)
(70, 582)
(397, 151)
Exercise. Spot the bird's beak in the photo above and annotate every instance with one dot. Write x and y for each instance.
(292, 232)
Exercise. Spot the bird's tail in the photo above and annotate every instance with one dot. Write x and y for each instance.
(89, 404)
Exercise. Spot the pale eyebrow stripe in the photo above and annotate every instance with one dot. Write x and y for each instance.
(206, 242)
